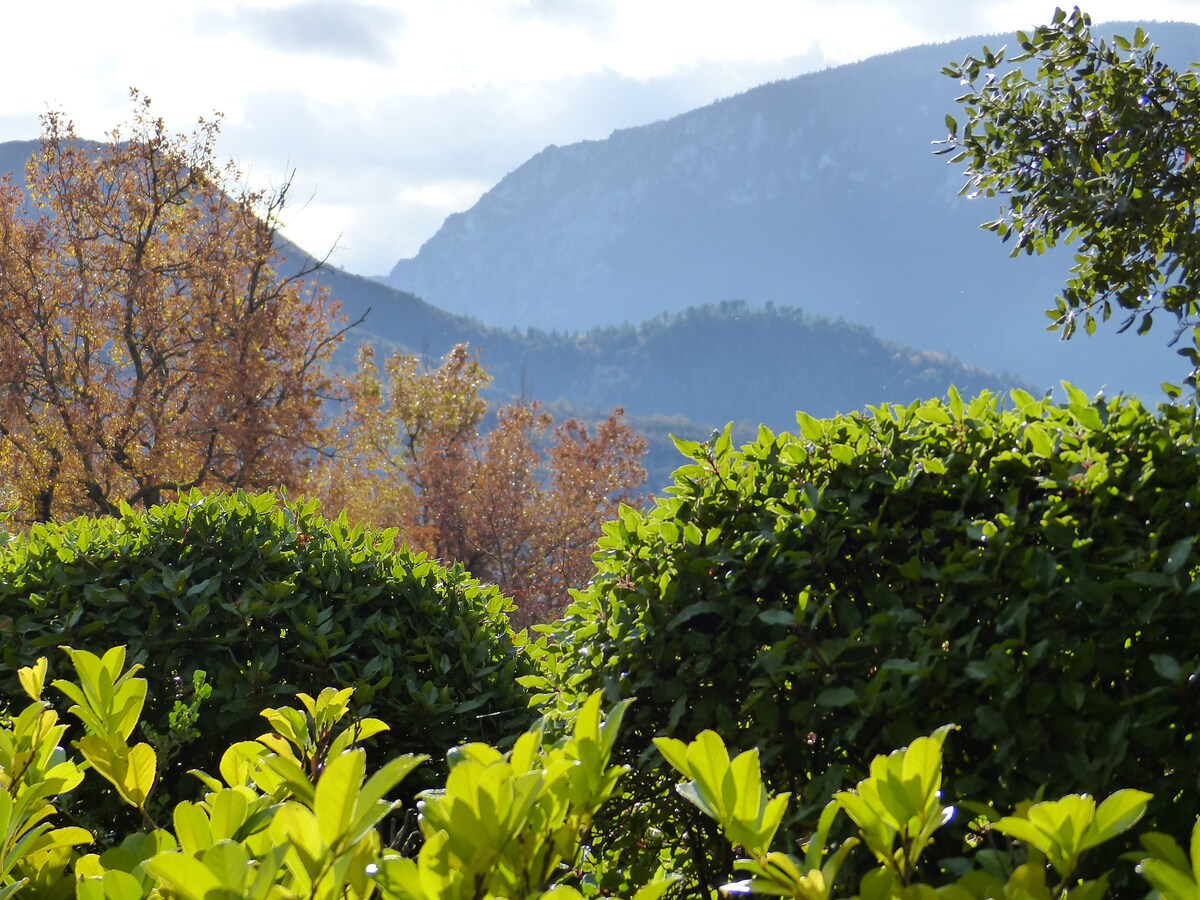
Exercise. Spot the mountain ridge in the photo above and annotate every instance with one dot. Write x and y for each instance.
(820, 192)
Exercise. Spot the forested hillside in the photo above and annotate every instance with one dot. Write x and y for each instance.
(730, 361)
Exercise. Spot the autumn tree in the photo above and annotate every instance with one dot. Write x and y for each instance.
(519, 503)
(149, 342)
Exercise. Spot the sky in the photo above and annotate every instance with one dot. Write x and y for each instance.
(390, 115)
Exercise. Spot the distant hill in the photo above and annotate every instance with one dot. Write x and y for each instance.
(690, 372)
(819, 192)
(730, 361)
(13, 157)
(684, 373)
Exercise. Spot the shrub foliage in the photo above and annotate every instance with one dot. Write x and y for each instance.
(265, 598)
(294, 814)
(1026, 569)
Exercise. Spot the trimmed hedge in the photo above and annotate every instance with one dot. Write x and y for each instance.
(267, 599)
(1027, 571)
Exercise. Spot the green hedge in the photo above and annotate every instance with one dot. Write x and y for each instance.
(268, 599)
(1026, 570)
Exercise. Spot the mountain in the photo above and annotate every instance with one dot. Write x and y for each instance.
(820, 192)
(721, 362)
(729, 361)
(13, 157)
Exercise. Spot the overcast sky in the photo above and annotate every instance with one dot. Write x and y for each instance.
(395, 113)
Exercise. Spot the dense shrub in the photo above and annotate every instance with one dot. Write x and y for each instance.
(1025, 570)
(267, 599)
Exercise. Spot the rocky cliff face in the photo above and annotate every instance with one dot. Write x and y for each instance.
(820, 192)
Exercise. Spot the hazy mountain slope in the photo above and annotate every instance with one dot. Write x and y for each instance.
(690, 372)
(820, 192)
(13, 157)
(397, 319)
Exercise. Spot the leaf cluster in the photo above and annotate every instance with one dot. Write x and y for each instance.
(1093, 143)
(897, 811)
(295, 814)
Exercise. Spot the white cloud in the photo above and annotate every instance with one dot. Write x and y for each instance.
(354, 31)
(395, 113)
